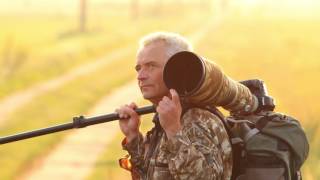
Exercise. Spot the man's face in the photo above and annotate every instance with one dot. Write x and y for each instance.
(150, 63)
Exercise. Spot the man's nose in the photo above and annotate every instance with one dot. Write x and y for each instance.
(142, 75)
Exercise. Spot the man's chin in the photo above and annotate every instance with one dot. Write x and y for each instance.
(150, 97)
(147, 96)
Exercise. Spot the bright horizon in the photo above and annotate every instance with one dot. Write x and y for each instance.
(308, 8)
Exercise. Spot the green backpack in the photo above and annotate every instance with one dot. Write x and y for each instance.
(266, 145)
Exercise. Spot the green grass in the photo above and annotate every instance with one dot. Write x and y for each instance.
(310, 168)
(78, 96)
(276, 51)
(107, 166)
(34, 52)
(280, 50)
(37, 48)
(56, 107)
(283, 53)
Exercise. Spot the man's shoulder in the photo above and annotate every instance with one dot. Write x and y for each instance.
(196, 114)
(203, 119)
(204, 126)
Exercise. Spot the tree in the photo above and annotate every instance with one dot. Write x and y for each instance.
(83, 15)
(134, 9)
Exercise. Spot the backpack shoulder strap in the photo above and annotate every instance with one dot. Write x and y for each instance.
(214, 111)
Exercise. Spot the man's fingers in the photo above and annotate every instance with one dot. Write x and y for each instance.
(175, 96)
(133, 105)
(166, 100)
(129, 111)
(159, 108)
(118, 111)
(165, 106)
(124, 111)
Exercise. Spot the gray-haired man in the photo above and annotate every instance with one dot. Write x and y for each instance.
(189, 145)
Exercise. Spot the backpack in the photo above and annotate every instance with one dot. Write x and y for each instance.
(265, 144)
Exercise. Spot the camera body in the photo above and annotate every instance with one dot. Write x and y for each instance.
(258, 88)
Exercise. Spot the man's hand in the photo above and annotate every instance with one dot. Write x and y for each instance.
(170, 110)
(129, 121)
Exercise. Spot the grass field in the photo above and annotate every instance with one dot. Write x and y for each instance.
(279, 48)
(28, 59)
(79, 95)
(284, 53)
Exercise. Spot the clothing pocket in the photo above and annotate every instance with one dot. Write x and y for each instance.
(263, 168)
(161, 173)
(263, 174)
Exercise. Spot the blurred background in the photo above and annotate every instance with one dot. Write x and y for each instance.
(60, 59)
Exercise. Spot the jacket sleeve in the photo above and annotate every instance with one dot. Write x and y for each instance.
(136, 150)
(201, 150)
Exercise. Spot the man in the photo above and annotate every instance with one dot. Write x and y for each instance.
(185, 143)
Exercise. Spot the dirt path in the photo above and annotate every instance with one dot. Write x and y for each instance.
(74, 157)
(9, 104)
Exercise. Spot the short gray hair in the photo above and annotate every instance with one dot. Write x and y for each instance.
(175, 42)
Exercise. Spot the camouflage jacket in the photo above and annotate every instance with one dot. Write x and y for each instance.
(201, 150)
